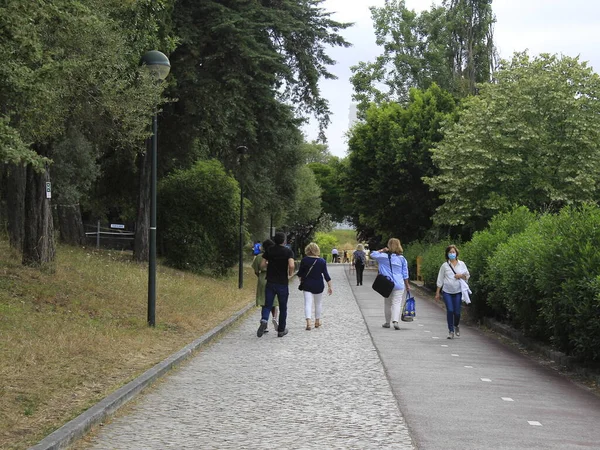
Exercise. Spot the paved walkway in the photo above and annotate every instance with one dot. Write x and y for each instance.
(319, 389)
(351, 384)
(473, 392)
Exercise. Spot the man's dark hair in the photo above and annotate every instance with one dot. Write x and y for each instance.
(267, 244)
(279, 238)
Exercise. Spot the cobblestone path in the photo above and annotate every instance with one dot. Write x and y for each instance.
(325, 388)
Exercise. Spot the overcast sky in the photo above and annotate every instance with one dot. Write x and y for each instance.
(568, 27)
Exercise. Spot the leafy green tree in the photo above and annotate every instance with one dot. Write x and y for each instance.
(330, 178)
(389, 156)
(74, 172)
(198, 218)
(450, 45)
(243, 74)
(70, 63)
(530, 139)
(315, 152)
(237, 60)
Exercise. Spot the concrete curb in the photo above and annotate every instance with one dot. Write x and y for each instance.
(79, 426)
(515, 335)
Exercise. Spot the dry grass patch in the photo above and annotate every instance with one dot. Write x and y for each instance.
(71, 337)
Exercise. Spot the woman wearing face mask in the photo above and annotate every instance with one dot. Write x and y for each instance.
(448, 282)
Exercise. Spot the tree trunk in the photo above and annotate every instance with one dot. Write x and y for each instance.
(15, 204)
(38, 240)
(142, 224)
(70, 224)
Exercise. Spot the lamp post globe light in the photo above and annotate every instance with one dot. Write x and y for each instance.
(242, 151)
(158, 66)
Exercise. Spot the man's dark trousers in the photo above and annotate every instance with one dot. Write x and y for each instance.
(282, 292)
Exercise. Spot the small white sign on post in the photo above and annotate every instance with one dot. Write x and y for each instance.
(117, 225)
(48, 189)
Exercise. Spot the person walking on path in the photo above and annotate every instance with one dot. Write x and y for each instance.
(448, 282)
(280, 269)
(262, 282)
(311, 273)
(334, 255)
(394, 266)
(359, 259)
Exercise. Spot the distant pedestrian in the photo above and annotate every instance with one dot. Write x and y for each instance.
(394, 266)
(311, 273)
(256, 248)
(334, 255)
(359, 259)
(449, 283)
(279, 262)
(262, 282)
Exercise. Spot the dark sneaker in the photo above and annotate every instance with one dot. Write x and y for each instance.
(456, 330)
(386, 325)
(261, 329)
(282, 333)
(396, 326)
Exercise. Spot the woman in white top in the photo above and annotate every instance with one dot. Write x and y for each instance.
(448, 282)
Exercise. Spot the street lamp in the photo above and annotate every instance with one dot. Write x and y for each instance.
(242, 151)
(158, 66)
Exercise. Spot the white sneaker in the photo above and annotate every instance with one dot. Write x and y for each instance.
(450, 335)
(457, 330)
(275, 324)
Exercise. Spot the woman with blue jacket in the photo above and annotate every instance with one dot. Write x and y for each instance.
(311, 273)
(394, 266)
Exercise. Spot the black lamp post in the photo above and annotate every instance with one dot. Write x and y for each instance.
(242, 151)
(159, 66)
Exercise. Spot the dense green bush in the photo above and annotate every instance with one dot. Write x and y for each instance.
(568, 274)
(199, 217)
(512, 270)
(433, 258)
(326, 243)
(547, 280)
(477, 252)
(411, 252)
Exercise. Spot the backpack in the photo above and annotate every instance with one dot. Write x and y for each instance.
(359, 260)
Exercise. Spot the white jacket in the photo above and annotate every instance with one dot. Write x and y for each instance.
(464, 289)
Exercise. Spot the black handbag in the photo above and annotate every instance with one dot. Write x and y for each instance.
(301, 285)
(384, 285)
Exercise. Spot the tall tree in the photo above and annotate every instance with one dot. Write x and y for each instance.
(389, 156)
(530, 139)
(243, 73)
(450, 45)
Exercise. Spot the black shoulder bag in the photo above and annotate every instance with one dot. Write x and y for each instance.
(384, 285)
(301, 285)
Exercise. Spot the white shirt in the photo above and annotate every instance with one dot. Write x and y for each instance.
(446, 278)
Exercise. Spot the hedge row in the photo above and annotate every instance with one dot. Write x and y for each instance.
(539, 273)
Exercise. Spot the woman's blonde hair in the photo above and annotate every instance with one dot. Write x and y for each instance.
(360, 247)
(312, 249)
(394, 246)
